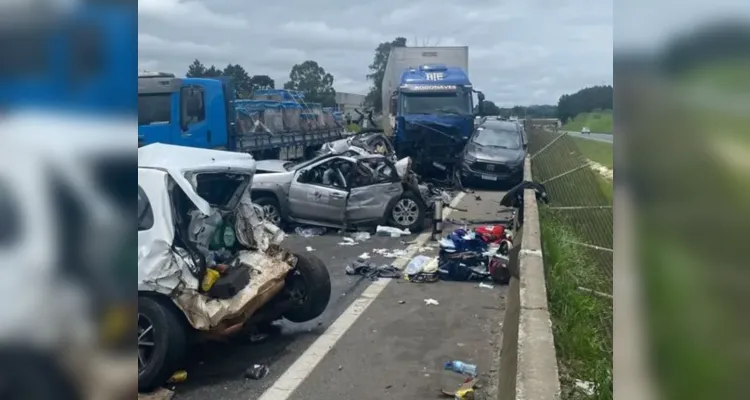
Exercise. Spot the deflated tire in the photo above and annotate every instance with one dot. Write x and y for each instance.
(309, 283)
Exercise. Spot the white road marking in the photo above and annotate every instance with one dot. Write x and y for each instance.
(293, 377)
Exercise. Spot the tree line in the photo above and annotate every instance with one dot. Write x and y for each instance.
(532, 111)
(585, 100)
(308, 77)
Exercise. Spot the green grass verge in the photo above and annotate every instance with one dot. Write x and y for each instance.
(594, 150)
(581, 321)
(597, 122)
(606, 186)
(726, 76)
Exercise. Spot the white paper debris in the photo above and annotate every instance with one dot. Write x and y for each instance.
(585, 386)
(364, 256)
(360, 236)
(485, 285)
(433, 302)
(390, 253)
(308, 248)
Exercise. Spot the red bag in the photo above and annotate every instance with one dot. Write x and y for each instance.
(490, 233)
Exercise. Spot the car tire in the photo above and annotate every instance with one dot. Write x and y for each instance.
(407, 201)
(28, 373)
(310, 276)
(169, 339)
(271, 207)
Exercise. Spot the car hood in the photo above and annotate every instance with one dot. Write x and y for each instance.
(271, 165)
(496, 154)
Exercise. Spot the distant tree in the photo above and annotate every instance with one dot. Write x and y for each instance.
(243, 87)
(518, 111)
(490, 108)
(196, 69)
(585, 100)
(213, 72)
(262, 82)
(374, 97)
(314, 81)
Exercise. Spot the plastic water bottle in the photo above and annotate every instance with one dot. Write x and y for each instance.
(461, 368)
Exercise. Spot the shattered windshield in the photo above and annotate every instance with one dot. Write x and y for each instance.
(455, 103)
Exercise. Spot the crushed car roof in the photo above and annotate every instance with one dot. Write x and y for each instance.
(179, 160)
(170, 157)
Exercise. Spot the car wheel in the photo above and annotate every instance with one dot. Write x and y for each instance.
(310, 285)
(271, 210)
(162, 342)
(27, 373)
(408, 213)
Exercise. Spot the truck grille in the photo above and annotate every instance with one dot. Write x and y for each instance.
(489, 167)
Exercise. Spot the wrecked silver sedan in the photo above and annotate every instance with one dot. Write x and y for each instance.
(208, 265)
(344, 191)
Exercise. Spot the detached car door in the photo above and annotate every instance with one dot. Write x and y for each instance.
(313, 199)
(376, 183)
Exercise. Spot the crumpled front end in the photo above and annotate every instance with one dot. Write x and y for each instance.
(267, 273)
(430, 140)
(253, 249)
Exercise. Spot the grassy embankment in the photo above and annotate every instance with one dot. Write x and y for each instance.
(583, 345)
(602, 153)
(597, 122)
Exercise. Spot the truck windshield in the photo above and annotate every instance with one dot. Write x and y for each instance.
(436, 103)
(154, 109)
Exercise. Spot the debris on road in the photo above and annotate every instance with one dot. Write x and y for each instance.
(401, 302)
(387, 253)
(461, 367)
(476, 255)
(363, 256)
(159, 394)
(465, 391)
(310, 231)
(429, 302)
(360, 236)
(391, 231)
(372, 271)
(258, 337)
(485, 285)
(308, 248)
(422, 269)
(347, 241)
(178, 377)
(257, 371)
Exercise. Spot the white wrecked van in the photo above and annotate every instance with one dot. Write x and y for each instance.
(207, 263)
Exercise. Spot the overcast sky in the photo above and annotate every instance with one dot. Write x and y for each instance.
(520, 51)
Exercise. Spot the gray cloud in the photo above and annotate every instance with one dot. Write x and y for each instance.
(521, 51)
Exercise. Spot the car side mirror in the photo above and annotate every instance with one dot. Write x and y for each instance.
(480, 104)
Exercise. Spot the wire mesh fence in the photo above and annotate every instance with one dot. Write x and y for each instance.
(576, 196)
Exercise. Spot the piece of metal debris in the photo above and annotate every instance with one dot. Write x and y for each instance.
(485, 285)
(257, 371)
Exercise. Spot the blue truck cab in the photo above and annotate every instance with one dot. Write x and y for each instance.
(194, 112)
(434, 112)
